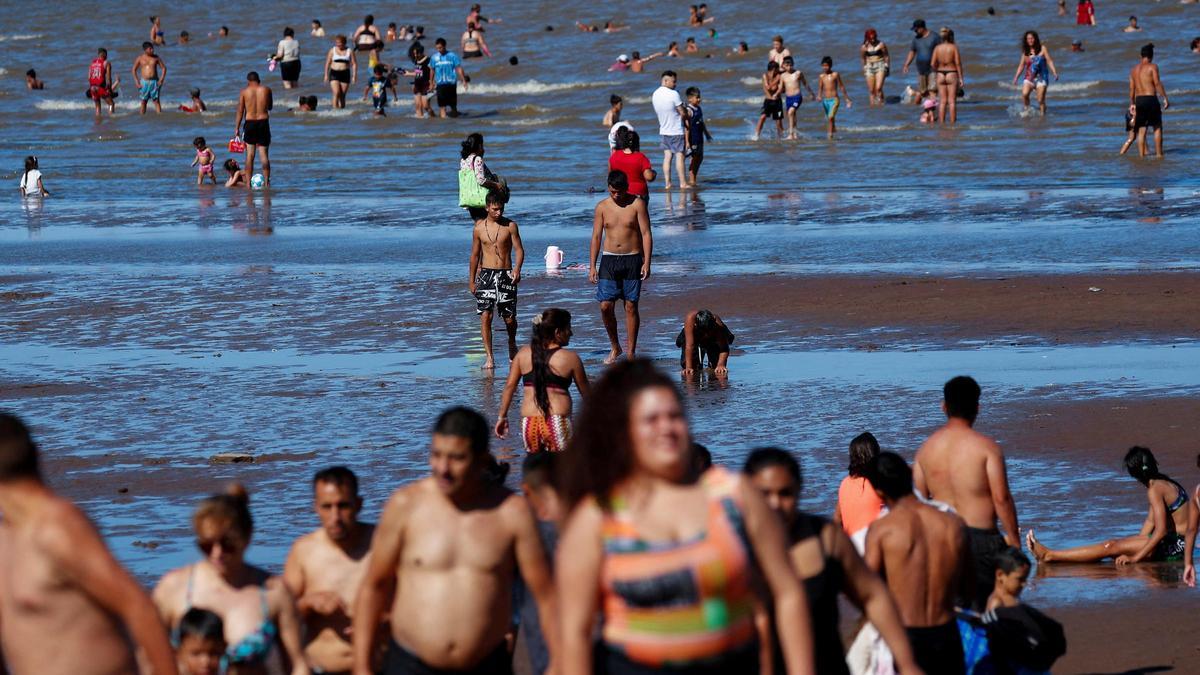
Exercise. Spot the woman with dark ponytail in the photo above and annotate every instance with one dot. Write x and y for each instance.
(1162, 536)
(548, 369)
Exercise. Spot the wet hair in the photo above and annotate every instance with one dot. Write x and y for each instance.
(224, 29)
(184, 33)
(18, 452)
(368, 19)
(704, 319)
(231, 507)
(1011, 559)
(153, 19)
(147, 45)
(618, 181)
(392, 24)
(669, 73)
(743, 46)
(252, 76)
(231, 165)
(1140, 464)
(863, 449)
(788, 59)
(463, 422)
(546, 328)
(537, 470)
(194, 92)
(31, 73)
(440, 42)
(288, 32)
(772, 66)
(1195, 41)
(1148, 51)
(961, 395)
(890, 474)
(614, 99)
(764, 458)
(339, 476)
(870, 35)
(102, 52)
(1132, 17)
(701, 457)
(379, 69)
(674, 45)
(201, 624)
(198, 142)
(1033, 50)
(472, 145)
(691, 40)
(420, 29)
(692, 91)
(827, 60)
(635, 55)
(600, 452)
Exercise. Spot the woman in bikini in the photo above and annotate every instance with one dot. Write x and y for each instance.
(876, 64)
(662, 557)
(253, 605)
(547, 368)
(947, 65)
(826, 562)
(341, 70)
(1037, 66)
(367, 38)
(1163, 533)
(473, 44)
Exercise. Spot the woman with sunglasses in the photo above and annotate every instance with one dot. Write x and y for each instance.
(255, 607)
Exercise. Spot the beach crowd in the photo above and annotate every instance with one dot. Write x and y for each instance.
(624, 549)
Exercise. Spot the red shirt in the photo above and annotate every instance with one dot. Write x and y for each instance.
(632, 165)
(1083, 13)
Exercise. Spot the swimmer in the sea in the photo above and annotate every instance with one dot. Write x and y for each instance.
(157, 36)
(637, 64)
(704, 337)
(32, 81)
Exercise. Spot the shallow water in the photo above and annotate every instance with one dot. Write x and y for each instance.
(148, 325)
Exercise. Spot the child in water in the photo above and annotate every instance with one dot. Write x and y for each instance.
(201, 643)
(196, 105)
(928, 108)
(377, 87)
(1131, 133)
(1012, 571)
(237, 176)
(828, 83)
(31, 180)
(205, 159)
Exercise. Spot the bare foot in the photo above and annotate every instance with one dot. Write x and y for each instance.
(489, 364)
(613, 356)
(1035, 546)
(668, 186)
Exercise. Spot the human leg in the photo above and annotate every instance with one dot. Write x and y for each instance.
(952, 103)
(1158, 135)
(1090, 553)
(1026, 90)
(485, 330)
(264, 155)
(250, 154)
(1141, 141)
(666, 168)
(1041, 96)
(609, 317)
(762, 119)
(633, 321)
(683, 181)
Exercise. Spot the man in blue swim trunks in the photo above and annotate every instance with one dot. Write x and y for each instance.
(147, 78)
(792, 96)
(623, 224)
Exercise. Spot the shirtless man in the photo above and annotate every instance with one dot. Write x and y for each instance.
(448, 548)
(324, 568)
(1144, 89)
(792, 96)
(147, 78)
(965, 470)
(66, 605)
(704, 335)
(623, 223)
(638, 64)
(493, 276)
(921, 553)
(254, 106)
(778, 52)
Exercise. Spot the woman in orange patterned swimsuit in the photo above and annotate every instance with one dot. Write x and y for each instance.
(667, 556)
(546, 405)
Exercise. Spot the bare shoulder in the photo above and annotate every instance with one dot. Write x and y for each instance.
(61, 524)
(171, 582)
(405, 498)
(304, 543)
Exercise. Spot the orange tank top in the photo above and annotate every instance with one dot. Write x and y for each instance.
(675, 603)
(859, 504)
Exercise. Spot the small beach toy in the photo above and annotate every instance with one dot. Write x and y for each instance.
(929, 104)
(271, 63)
(554, 257)
(257, 181)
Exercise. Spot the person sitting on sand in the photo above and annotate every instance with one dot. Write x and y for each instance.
(548, 368)
(1160, 539)
(237, 175)
(704, 336)
(1012, 571)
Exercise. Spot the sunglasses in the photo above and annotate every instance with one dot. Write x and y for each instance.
(227, 543)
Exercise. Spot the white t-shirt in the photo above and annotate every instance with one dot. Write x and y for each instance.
(288, 49)
(612, 133)
(666, 106)
(29, 183)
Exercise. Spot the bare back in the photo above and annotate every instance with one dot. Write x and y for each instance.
(621, 223)
(453, 600)
(952, 467)
(921, 553)
(1144, 79)
(48, 624)
(257, 101)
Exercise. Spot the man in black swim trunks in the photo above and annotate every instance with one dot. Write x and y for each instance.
(922, 555)
(1144, 89)
(704, 335)
(254, 107)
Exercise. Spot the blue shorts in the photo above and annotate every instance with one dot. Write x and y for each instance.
(149, 90)
(672, 144)
(793, 102)
(620, 278)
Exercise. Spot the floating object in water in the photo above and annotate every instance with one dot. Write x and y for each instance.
(257, 181)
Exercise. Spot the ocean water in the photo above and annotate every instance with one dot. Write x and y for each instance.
(147, 324)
